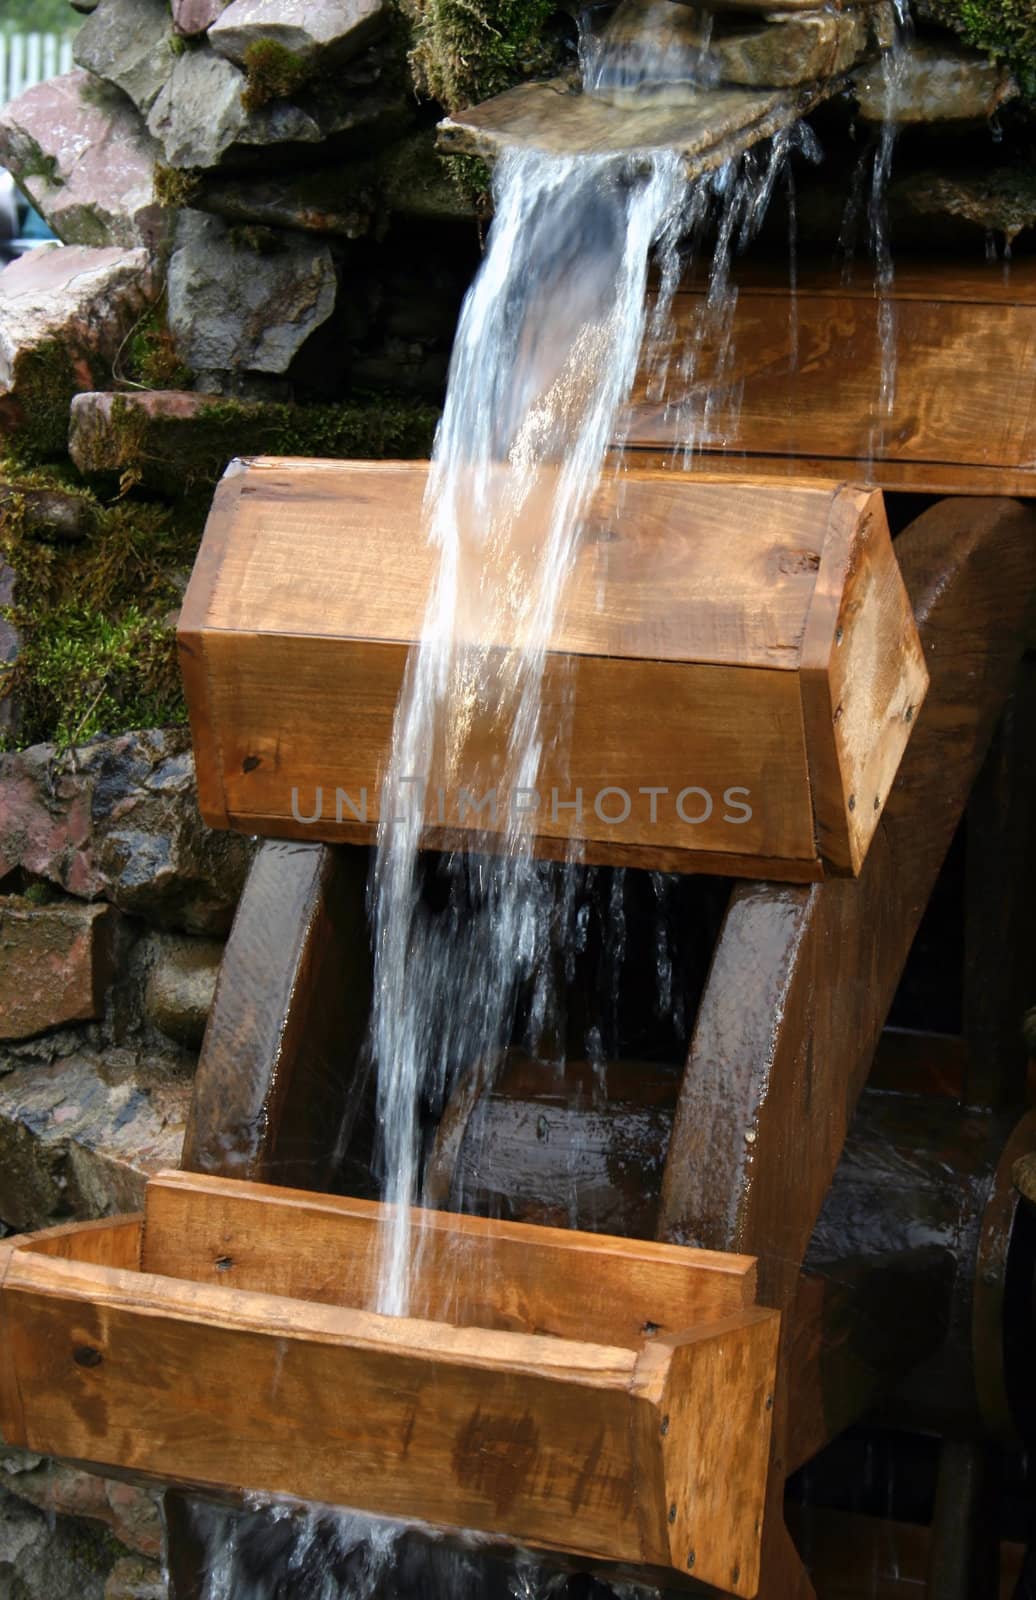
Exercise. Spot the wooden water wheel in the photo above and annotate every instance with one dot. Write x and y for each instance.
(867, 1170)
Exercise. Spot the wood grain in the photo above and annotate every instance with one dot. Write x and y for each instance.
(853, 683)
(470, 1272)
(956, 335)
(109, 1242)
(802, 978)
(281, 1076)
(696, 616)
(558, 1443)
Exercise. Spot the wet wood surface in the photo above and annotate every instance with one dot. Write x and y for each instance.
(801, 378)
(470, 1272)
(280, 1080)
(750, 649)
(613, 1451)
(803, 978)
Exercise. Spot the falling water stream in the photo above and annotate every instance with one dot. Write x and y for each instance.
(546, 353)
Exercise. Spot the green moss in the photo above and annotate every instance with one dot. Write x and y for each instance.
(150, 359)
(273, 72)
(1005, 29)
(368, 426)
(98, 649)
(175, 187)
(41, 165)
(46, 382)
(473, 180)
(465, 51)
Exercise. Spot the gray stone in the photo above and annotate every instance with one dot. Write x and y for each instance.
(51, 515)
(121, 822)
(129, 43)
(325, 199)
(181, 986)
(85, 159)
(997, 200)
(78, 302)
(709, 128)
(132, 1514)
(80, 1137)
(199, 114)
(133, 1578)
(932, 83)
(779, 50)
(43, 1559)
(335, 29)
(192, 17)
(231, 307)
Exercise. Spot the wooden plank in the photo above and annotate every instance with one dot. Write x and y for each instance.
(677, 668)
(949, 280)
(281, 1079)
(954, 343)
(190, 650)
(12, 1414)
(461, 1428)
(714, 1463)
(274, 693)
(109, 1242)
(470, 1272)
(900, 477)
(702, 571)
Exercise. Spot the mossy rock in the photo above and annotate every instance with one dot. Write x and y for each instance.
(1006, 29)
(96, 617)
(465, 51)
(181, 442)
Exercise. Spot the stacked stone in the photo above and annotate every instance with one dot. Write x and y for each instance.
(108, 965)
(226, 156)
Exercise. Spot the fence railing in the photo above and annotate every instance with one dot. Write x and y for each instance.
(30, 58)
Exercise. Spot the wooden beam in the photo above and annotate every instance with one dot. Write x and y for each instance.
(801, 375)
(281, 1078)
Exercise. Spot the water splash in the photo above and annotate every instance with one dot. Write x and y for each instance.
(272, 1548)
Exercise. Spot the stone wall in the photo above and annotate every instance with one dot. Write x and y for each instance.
(115, 901)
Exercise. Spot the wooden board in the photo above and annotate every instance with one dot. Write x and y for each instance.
(653, 1453)
(469, 1271)
(964, 413)
(714, 639)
